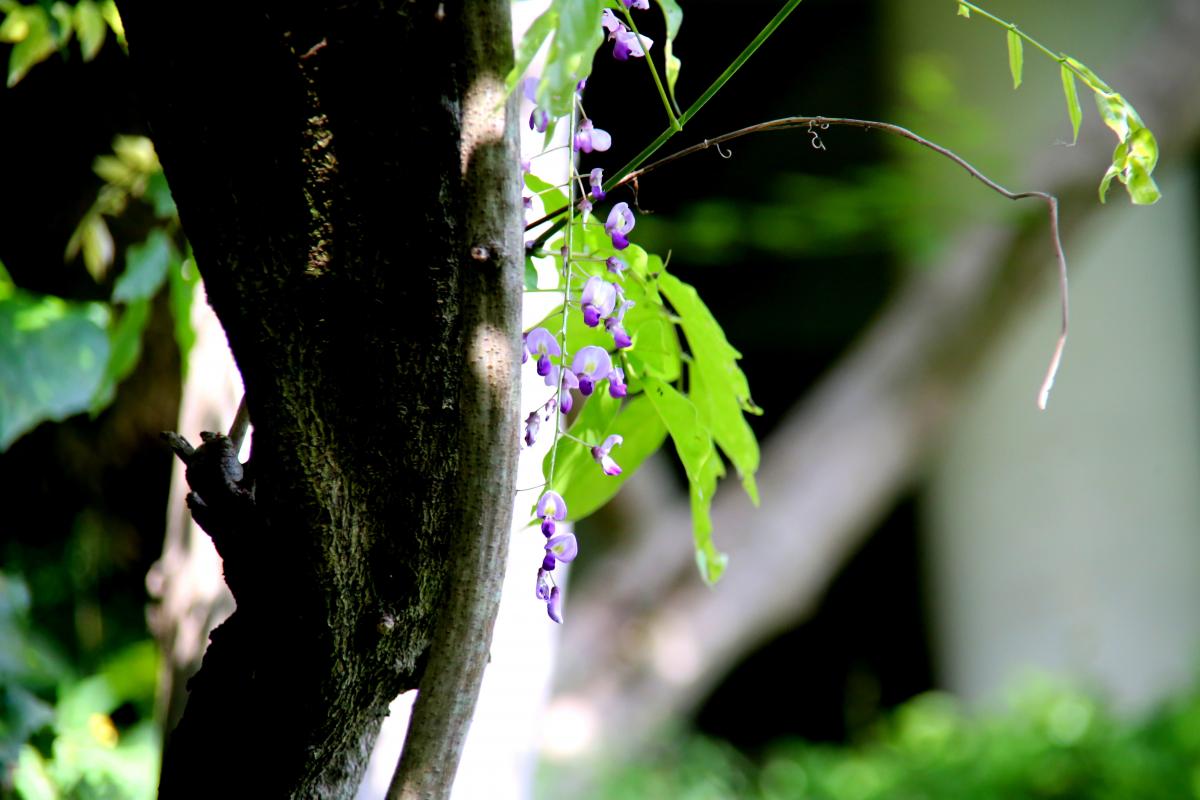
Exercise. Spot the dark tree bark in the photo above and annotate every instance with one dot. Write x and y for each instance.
(347, 179)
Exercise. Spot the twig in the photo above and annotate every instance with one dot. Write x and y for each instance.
(811, 123)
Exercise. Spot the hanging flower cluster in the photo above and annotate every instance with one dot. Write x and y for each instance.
(601, 301)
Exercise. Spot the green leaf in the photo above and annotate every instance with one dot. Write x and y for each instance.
(52, 358)
(579, 479)
(673, 15)
(963, 11)
(28, 28)
(146, 266)
(1072, 97)
(694, 445)
(1090, 78)
(93, 238)
(552, 196)
(719, 387)
(183, 280)
(1143, 191)
(531, 276)
(1015, 56)
(159, 195)
(125, 348)
(572, 27)
(90, 27)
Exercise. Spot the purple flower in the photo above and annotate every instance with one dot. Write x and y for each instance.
(554, 605)
(615, 325)
(589, 138)
(591, 364)
(598, 298)
(585, 208)
(644, 5)
(610, 23)
(596, 179)
(564, 548)
(543, 343)
(620, 222)
(616, 265)
(616, 383)
(551, 507)
(539, 120)
(532, 423)
(629, 44)
(543, 585)
(600, 454)
(565, 380)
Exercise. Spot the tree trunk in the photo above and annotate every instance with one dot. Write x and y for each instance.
(347, 179)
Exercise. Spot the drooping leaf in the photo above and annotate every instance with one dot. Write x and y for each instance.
(1015, 57)
(1072, 97)
(674, 18)
(719, 387)
(694, 446)
(146, 265)
(52, 358)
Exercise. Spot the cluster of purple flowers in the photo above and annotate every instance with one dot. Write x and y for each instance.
(601, 301)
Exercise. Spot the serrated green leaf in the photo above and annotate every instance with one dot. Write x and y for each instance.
(579, 479)
(146, 265)
(1016, 57)
(90, 27)
(52, 358)
(1074, 111)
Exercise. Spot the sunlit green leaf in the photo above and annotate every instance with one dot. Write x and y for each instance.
(710, 561)
(1072, 97)
(28, 27)
(90, 27)
(1015, 56)
(531, 276)
(159, 195)
(963, 11)
(572, 27)
(551, 195)
(94, 240)
(1089, 77)
(720, 412)
(146, 265)
(52, 359)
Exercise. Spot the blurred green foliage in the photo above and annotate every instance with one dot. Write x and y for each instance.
(1050, 741)
(66, 735)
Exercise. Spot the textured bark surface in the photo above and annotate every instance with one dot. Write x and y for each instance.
(330, 177)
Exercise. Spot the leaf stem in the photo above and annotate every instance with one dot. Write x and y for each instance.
(676, 125)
